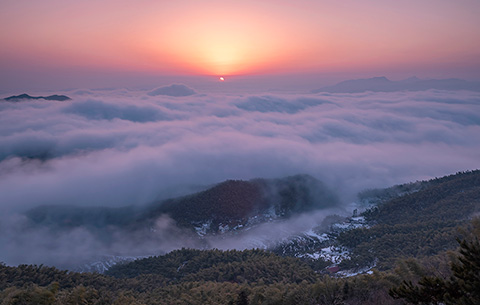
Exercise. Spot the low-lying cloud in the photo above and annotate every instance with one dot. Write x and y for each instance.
(117, 148)
(98, 110)
(277, 104)
(135, 146)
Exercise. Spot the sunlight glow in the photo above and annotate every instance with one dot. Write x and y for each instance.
(233, 38)
(218, 43)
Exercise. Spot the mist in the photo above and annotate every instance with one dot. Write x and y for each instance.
(115, 148)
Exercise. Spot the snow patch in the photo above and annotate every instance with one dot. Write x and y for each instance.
(106, 262)
(349, 273)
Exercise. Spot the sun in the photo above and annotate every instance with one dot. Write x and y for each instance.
(221, 78)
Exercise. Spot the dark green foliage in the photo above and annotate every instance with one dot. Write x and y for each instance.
(405, 245)
(188, 265)
(454, 197)
(386, 243)
(30, 295)
(466, 274)
(417, 224)
(209, 277)
(242, 298)
(378, 196)
(462, 288)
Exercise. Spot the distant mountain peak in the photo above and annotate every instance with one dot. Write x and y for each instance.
(175, 90)
(379, 78)
(24, 96)
(383, 84)
(21, 96)
(412, 79)
(366, 81)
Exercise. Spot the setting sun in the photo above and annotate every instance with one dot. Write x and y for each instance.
(223, 42)
(222, 79)
(245, 38)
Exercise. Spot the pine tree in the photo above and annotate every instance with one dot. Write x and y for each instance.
(242, 298)
(463, 288)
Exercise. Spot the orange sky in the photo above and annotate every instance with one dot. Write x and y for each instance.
(210, 37)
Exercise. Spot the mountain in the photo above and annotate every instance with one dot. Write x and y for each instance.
(22, 97)
(227, 206)
(258, 277)
(214, 218)
(175, 90)
(417, 224)
(233, 204)
(382, 84)
(417, 219)
(408, 235)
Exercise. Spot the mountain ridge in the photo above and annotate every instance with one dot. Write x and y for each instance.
(359, 242)
(230, 203)
(24, 96)
(383, 84)
(407, 248)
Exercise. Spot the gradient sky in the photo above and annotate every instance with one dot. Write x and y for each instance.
(67, 42)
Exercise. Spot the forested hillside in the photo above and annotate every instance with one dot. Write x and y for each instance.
(188, 265)
(417, 224)
(412, 238)
(227, 204)
(246, 277)
(206, 277)
(235, 202)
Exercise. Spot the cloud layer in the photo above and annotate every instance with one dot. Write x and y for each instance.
(120, 147)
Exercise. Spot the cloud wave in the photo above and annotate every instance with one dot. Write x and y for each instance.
(128, 147)
(121, 147)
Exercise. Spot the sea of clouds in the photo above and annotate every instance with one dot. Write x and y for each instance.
(126, 147)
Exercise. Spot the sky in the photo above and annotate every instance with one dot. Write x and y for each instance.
(57, 44)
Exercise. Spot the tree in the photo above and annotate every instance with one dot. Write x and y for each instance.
(242, 298)
(463, 287)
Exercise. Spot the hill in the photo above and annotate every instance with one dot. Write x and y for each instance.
(418, 224)
(227, 206)
(406, 234)
(417, 219)
(22, 97)
(188, 265)
(234, 204)
(234, 277)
